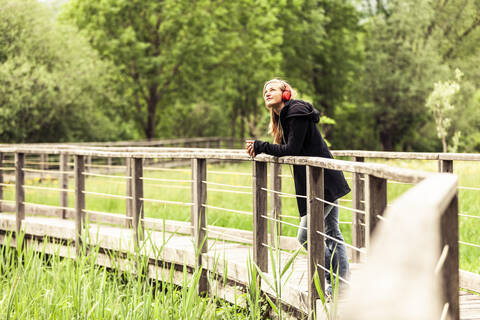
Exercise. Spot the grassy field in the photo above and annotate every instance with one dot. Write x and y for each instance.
(240, 198)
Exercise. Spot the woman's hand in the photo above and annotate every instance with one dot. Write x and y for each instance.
(250, 148)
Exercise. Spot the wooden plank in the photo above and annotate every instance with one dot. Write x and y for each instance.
(137, 191)
(260, 226)
(63, 181)
(470, 281)
(199, 171)
(358, 219)
(460, 156)
(275, 201)
(376, 202)
(450, 274)
(445, 166)
(19, 190)
(315, 241)
(386, 155)
(129, 202)
(43, 166)
(79, 199)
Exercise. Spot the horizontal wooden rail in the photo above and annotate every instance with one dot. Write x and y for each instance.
(374, 169)
(408, 155)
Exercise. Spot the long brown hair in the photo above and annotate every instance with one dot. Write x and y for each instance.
(275, 128)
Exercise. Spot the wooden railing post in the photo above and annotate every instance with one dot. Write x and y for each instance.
(43, 166)
(109, 164)
(445, 166)
(129, 201)
(64, 183)
(137, 190)
(19, 190)
(199, 172)
(89, 164)
(79, 199)
(315, 240)
(450, 273)
(358, 219)
(376, 202)
(1, 181)
(260, 226)
(276, 201)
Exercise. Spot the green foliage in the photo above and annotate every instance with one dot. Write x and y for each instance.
(184, 68)
(439, 103)
(409, 46)
(51, 81)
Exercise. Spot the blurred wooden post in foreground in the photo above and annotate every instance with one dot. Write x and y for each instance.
(415, 252)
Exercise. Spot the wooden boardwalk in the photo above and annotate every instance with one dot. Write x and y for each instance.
(229, 259)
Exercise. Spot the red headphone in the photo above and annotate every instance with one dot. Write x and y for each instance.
(286, 93)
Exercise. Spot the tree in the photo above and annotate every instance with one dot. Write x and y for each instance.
(159, 46)
(410, 45)
(439, 103)
(51, 81)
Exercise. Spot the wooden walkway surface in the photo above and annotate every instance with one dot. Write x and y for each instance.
(229, 259)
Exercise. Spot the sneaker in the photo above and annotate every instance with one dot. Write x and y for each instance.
(328, 292)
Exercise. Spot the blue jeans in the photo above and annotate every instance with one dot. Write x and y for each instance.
(335, 253)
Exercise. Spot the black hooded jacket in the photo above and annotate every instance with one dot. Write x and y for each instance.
(301, 137)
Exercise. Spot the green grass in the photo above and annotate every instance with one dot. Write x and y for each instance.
(34, 285)
(239, 174)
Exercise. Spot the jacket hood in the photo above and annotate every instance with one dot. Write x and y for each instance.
(300, 108)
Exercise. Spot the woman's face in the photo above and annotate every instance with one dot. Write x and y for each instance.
(273, 94)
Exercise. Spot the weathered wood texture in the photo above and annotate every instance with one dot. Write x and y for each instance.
(199, 171)
(376, 202)
(450, 275)
(275, 201)
(19, 190)
(470, 281)
(398, 280)
(407, 155)
(79, 199)
(63, 182)
(315, 240)
(358, 219)
(260, 226)
(129, 201)
(137, 191)
(445, 166)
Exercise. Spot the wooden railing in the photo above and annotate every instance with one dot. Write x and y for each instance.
(374, 199)
(445, 164)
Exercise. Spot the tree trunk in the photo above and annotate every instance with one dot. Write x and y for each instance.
(152, 102)
(386, 140)
(152, 108)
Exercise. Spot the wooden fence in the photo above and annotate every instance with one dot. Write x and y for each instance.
(369, 204)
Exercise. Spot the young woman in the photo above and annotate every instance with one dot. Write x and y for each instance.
(294, 131)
